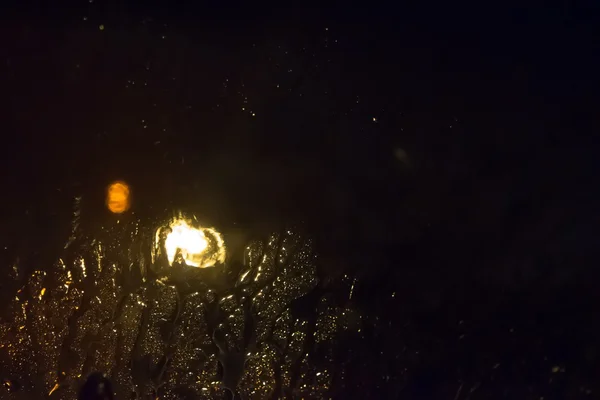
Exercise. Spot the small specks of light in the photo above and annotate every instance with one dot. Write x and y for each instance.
(42, 293)
(47, 321)
(375, 120)
(101, 27)
(117, 197)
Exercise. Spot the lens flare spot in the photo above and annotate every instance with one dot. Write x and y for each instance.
(199, 247)
(117, 197)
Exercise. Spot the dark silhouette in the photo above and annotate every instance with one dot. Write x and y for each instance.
(96, 387)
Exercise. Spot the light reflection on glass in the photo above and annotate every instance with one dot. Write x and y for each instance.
(199, 247)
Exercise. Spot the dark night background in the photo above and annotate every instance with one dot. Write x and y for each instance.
(443, 155)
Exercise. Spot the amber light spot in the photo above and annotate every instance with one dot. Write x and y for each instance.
(117, 197)
(56, 386)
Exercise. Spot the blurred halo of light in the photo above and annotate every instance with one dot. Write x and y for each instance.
(118, 197)
(401, 155)
(200, 247)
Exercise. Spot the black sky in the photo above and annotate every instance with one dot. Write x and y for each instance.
(490, 218)
(494, 106)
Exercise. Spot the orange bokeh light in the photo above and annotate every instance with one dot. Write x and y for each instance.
(117, 197)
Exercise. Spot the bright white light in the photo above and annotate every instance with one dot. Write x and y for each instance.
(200, 247)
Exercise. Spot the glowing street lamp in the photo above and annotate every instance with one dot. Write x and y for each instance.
(197, 246)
